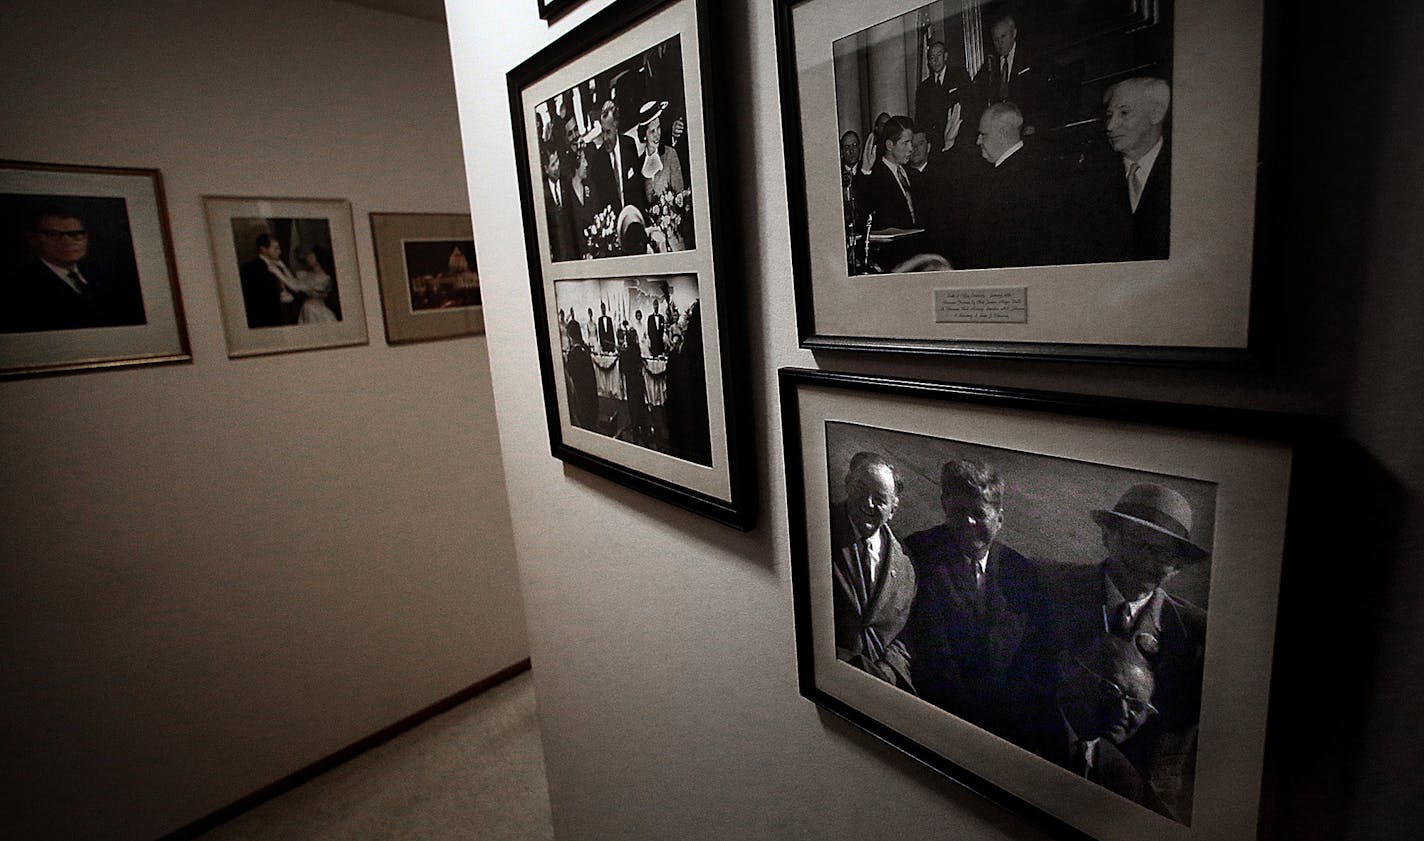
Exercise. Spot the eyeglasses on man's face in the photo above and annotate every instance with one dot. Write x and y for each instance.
(52, 233)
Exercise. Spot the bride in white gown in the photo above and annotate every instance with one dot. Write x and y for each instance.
(314, 284)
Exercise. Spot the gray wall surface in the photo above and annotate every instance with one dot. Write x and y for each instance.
(213, 574)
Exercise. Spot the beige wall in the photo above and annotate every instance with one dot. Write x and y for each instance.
(213, 574)
(666, 671)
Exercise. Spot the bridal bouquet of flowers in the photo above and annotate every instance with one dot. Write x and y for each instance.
(672, 214)
(601, 238)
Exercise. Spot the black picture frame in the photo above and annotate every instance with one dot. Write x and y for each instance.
(551, 10)
(1090, 297)
(1049, 428)
(712, 475)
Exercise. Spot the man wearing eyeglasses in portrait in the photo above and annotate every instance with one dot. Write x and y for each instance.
(1148, 538)
(59, 288)
(1099, 701)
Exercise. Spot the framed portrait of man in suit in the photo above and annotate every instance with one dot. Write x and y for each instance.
(87, 278)
(1033, 179)
(287, 273)
(1066, 604)
(615, 136)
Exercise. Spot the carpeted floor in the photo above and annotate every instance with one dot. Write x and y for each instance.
(476, 773)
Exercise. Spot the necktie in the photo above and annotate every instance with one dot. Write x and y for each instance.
(79, 282)
(905, 185)
(1082, 758)
(1134, 184)
(867, 567)
(1003, 77)
(617, 173)
(1120, 619)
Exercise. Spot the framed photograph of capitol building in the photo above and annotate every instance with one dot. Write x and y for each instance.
(639, 343)
(430, 282)
(1066, 604)
(1080, 179)
(87, 276)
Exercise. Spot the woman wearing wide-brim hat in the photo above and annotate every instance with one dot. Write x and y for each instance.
(662, 168)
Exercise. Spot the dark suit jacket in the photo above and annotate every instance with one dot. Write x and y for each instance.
(563, 244)
(1048, 734)
(880, 193)
(1102, 225)
(34, 299)
(964, 639)
(656, 324)
(868, 627)
(605, 180)
(1170, 633)
(1012, 215)
(1028, 85)
(605, 334)
(261, 294)
(933, 101)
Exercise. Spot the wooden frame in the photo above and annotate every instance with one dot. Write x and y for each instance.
(125, 309)
(1048, 267)
(428, 274)
(1067, 464)
(679, 430)
(307, 306)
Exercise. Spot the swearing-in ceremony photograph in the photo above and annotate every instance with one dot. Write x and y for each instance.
(613, 160)
(991, 135)
(634, 361)
(1058, 604)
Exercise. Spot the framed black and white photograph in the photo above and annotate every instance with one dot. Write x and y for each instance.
(1065, 603)
(87, 277)
(1037, 178)
(615, 142)
(430, 281)
(287, 273)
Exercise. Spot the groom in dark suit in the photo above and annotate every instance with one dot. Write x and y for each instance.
(59, 288)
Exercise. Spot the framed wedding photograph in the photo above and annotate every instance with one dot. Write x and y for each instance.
(640, 343)
(287, 273)
(430, 283)
(87, 277)
(1028, 178)
(1067, 604)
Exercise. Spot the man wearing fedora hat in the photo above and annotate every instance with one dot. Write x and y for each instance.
(1148, 538)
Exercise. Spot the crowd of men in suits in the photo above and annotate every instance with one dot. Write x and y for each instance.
(1095, 667)
(972, 171)
(664, 409)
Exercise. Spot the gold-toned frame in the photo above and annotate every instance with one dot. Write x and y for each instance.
(163, 338)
